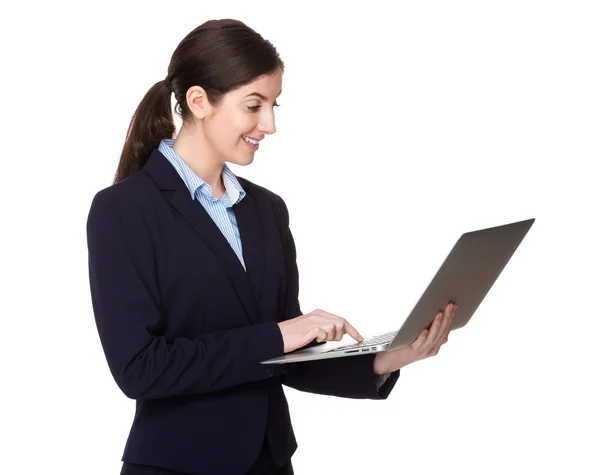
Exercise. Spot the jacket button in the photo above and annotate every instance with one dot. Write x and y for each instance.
(270, 372)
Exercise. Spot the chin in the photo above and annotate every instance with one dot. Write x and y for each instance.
(245, 160)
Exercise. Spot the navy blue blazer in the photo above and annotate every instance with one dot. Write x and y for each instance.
(184, 327)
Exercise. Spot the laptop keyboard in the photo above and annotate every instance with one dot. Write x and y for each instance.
(376, 340)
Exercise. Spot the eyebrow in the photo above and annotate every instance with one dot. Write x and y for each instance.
(261, 96)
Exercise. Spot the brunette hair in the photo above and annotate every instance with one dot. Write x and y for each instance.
(219, 56)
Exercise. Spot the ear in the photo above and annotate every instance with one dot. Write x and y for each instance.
(198, 102)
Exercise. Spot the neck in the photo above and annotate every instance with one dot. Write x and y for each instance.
(194, 152)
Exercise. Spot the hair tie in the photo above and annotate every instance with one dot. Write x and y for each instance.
(167, 83)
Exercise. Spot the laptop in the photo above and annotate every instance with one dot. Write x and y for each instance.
(465, 277)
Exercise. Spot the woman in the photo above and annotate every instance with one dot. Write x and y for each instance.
(194, 280)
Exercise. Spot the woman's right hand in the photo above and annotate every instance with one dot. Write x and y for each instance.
(318, 324)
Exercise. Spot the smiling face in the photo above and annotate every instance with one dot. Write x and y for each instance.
(243, 116)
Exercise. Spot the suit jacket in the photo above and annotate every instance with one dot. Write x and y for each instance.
(184, 327)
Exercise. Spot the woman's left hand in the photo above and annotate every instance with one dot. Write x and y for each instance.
(427, 344)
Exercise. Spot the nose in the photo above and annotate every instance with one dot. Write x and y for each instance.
(266, 124)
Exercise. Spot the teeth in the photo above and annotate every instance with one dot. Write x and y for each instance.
(249, 140)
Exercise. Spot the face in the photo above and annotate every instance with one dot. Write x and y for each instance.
(244, 114)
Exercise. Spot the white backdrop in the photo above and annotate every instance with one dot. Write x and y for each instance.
(413, 123)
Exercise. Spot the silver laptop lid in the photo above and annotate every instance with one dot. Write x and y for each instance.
(465, 277)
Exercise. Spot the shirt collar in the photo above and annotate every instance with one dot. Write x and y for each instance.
(193, 182)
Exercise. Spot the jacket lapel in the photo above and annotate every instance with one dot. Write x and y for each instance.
(244, 283)
(251, 234)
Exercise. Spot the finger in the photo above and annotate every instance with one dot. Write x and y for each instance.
(444, 340)
(350, 330)
(448, 315)
(451, 320)
(445, 328)
(329, 329)
(347, 327)
(446, 324)
(339, 331)
(437, 347)
(434, 331)
(420, 340)
(321, 335)
(435, 350)
(450, 310)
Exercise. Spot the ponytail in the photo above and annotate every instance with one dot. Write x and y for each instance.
(151, 122)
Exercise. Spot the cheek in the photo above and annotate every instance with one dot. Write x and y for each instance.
(230, 128)
(242, 124)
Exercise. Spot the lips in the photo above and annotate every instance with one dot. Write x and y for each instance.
(251, 145)
(252, 138)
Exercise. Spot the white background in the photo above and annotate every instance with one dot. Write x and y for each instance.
(400, 128)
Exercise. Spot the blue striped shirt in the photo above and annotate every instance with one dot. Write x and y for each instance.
(219, 209)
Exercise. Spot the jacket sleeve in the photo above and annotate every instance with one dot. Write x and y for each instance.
(128, 313)
(349, 377)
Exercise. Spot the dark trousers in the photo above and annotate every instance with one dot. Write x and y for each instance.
(264, 465)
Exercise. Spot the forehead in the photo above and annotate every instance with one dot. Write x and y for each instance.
(267, 86)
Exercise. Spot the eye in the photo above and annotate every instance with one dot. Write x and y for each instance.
(255, 108)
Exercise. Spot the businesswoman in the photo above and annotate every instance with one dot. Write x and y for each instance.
(194, 280)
